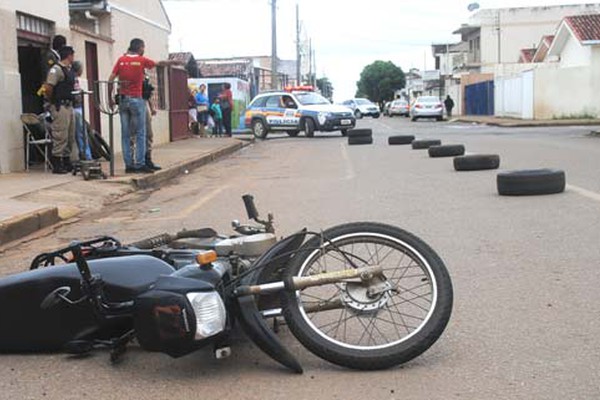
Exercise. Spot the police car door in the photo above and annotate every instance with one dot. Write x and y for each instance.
(278, 117)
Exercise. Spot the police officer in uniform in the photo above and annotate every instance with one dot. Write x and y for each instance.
(58, 89)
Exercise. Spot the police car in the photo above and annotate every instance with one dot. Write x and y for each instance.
(294, 110)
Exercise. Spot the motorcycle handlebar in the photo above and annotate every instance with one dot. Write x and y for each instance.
(250, 206)
(82, 265)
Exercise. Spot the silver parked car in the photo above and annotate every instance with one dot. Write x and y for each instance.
(399, 107)
(427, 107)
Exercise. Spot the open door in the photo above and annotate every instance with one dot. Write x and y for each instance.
(178, 103)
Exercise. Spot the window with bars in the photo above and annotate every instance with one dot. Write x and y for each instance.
(35, 25)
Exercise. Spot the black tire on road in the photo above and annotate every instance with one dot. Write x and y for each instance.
(259, 129)
(531, 182)
(427, 269)
(376, 115)
(360, 133)
(448, 150)
(309, 127)
(477, 162)
(352, 140)
(425, 144)
(401, 139)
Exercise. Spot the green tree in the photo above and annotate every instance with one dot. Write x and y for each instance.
(379, 80)
(326, 88)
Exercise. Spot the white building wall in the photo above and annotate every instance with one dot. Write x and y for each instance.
(575, 55)
(11, 136)
(520, 28)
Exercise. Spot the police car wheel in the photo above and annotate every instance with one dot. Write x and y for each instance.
(309, 127)
(358, 114)
(344, 132)
(259, 129)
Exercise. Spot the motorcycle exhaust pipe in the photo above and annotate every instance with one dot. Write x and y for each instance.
(302, 282)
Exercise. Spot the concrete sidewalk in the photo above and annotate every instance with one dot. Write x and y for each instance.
(523, 123)
(35, 200)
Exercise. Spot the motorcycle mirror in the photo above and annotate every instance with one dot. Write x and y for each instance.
(250, 206)
(55, 297)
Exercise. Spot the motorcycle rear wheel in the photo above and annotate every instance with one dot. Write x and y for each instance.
(406, 315)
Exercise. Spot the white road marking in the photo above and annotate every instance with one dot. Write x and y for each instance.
(189, 210)
(350, 174)
(584, 192)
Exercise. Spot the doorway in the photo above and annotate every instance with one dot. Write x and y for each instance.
(32, 77)
(91, 71)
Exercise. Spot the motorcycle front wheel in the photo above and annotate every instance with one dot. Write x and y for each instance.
(376, 325)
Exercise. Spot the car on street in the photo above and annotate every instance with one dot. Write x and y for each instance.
(399, 107)
(386, 108)
(427, 107)
(363, 108)
(293, 111)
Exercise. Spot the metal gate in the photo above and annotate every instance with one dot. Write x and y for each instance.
(479, 98)
(178, 104)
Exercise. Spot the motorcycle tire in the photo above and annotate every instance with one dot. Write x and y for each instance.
(98, 146)
(422, 289)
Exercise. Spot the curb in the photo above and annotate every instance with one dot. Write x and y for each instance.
(169, 173)
(26, 224)
(530, 124)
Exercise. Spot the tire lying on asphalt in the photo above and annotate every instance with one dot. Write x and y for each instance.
(401, 139)
(360, 133)
(477, 162)
(531, 182)
(448, 150)
(425, 144)
(359, 140)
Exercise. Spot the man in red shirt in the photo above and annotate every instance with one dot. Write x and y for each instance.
(130, 69)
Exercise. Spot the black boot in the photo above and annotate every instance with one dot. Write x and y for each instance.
(67, 164)
(151, 165)
(57, 165)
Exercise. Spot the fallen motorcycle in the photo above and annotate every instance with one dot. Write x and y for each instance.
(361, 295)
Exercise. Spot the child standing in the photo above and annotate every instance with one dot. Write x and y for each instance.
(218, 117)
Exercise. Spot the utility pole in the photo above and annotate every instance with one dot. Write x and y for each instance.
(310, 61)
(499, 37)
(274, 66)
(298, 52)
(314, 58)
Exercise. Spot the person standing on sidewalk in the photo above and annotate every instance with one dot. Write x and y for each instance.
(217, 117)
(449, 103)
(58, 90)
(226, 97)
(130, 69)
(202, 104)
(85, 153)
(147, 90)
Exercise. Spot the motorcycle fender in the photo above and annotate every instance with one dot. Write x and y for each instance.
(259, 332)
(276, 258)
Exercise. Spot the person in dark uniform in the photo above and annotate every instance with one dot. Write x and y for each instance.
(52, 58)
(449, 103)
(58, 90)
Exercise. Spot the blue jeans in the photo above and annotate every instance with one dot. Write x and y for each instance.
(85, 153)
(133, 114)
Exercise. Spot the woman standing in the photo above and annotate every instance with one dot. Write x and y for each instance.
(202, 107)
(226, 97)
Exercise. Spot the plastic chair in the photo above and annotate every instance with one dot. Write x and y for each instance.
(38, 136)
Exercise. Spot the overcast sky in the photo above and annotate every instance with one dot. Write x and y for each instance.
(346, 35)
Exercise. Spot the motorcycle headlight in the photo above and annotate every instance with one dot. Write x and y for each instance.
(323, 117)
(210, 313)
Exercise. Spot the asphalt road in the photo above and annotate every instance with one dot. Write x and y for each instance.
(525, 270)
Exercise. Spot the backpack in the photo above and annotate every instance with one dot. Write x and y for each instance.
(147, 89)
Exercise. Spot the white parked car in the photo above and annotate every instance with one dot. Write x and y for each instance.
(427, 107)
(363, 108)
